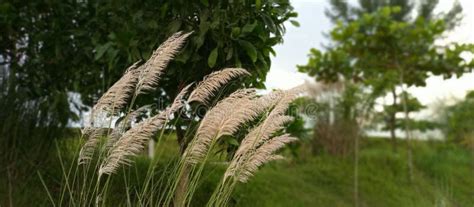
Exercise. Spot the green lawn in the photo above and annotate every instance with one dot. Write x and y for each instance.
(444, 176)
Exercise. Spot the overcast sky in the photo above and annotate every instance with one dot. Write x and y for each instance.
(298, 41)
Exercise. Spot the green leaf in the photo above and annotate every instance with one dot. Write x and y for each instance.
(386, 11)
(101, 50)
(233, 141)
(211, 60)
(205, 2)
(249, 27)
(292, 14)
(272, 51)
(235, 32)
(295, 23)
(270, 24)
(258, 4)
(250, 49)
(229, 54)
(237, 62)
(199, 41)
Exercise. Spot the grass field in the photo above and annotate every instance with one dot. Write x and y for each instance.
(444, 176)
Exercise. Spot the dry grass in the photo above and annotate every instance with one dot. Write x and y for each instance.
(134, 140)
(262, 155)
(118, 95)
(225, 118)
(154, 67)
(213, 82)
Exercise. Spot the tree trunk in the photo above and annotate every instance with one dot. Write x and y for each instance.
(356, 170)
(331, 108)
(407, 128)
(392, 120)
(408, 137)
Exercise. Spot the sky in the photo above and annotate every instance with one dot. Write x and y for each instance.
(313, 24)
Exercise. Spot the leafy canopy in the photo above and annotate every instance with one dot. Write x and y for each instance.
(377, 49)
(51, 48)
(385, 45)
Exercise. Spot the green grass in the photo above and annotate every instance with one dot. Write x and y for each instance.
(444, 176)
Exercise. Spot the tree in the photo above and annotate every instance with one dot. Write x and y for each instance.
(88, 44)
(54, 48)
(409, 12)
(341, 10)
(385, 54)
(413, 106)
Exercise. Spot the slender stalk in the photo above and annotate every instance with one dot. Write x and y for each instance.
(129, 201)
(197, 176)
(154, 162)
(407, 127)
(66, 177)
(46, 188)
(356, 170)
(10, 187)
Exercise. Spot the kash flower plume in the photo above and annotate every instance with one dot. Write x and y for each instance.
(136, 80)
(87, 151)
(117, 97)
(112, 101)
(262, 155)
(124, 125)
(154, 67)
(274, 122)
(261, 135)
(223, 119)
(211, 83)
(134, 140)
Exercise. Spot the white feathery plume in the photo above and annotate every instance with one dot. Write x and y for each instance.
(133, 141)
(154, 67)
(223, 119)
(262, 133)
(287, 97)
(262, 155)
(179, 100)
(127, 121)
(212, 82)
(136, 80)
(119, 93)
(124, 125)
(274, 122)
(87, 151)
(256, 137)
(276, 118)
